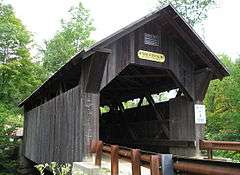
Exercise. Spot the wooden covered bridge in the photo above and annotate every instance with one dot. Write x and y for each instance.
(155, 54)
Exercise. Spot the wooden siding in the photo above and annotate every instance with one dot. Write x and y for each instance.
(61, 129)
(182, 124)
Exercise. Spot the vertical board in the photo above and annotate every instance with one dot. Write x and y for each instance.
(56, 130)
(182, 124)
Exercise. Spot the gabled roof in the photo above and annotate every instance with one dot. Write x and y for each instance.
(172, 16)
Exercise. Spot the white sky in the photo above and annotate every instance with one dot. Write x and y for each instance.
(42, 18)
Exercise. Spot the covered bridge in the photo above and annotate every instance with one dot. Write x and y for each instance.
(155, 54)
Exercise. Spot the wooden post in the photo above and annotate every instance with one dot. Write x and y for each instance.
(155, 165)
(93, 145)
(135, 159)
(210, 153)
(99, 153)
(114, 159)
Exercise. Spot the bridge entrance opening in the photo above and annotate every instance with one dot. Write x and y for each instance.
(135, 106)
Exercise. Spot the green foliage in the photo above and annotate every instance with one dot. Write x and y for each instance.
(72, 38)
(18, 79)
(194, 11)
(232, 155)
(222, 101)
(223, 104)
(61, 169)
(14, 38)
(9, 121)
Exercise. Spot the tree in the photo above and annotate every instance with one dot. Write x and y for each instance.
(222, 102)
(223, 114)
(73, 37)
(18, 79)
(194, 11)
(14, 38)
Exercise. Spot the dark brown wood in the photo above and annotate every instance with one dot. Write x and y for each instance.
(159, 116)
(114, 159)
(96, 70)
(136, 162)
(125, 123)
(144, 76)
(155, 165)
(182, 125)
(189, 40)
(202, 80)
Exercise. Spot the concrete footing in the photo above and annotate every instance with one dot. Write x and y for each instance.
(85, 168)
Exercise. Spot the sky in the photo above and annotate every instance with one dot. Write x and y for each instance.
(42, 18)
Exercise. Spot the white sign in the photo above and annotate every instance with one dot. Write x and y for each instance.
(200, 114)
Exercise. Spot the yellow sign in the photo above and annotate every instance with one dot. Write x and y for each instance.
(152, 56)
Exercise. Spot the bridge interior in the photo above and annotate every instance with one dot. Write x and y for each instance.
(135, 109)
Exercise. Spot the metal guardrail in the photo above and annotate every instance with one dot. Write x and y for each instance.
(218, 145)
(155, 162)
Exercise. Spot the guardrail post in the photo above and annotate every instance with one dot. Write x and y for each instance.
(135, 159)
(167, 164)
(155, 165)
(114, 159)
(99, 148)
(210, 153)
(93, 145)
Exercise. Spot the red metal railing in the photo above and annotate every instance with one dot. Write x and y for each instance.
(218, 145)
(153, 161)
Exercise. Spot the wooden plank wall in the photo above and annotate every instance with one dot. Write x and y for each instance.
(141, 120)
(52, 127)
(182, 124)
(61, 129)
(122, 54)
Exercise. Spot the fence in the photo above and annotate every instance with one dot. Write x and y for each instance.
(160, 164)
(218, 145)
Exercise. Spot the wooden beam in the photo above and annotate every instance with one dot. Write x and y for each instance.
(135, 82)
(155, 165)
(158, 115)
(183, 89)
(146, 142)
(145, 76)
(99, 147)
(96, 70)
(136, 161)
(140, 102)
(114, 159)
(125, 123)
(202, 80)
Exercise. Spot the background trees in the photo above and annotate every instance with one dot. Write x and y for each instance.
(194, 11)
(19, 76)
(73, 37)
(222, 102)
(223, 108)
(14, 38)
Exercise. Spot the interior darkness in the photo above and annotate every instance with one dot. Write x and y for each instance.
(147, 121)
